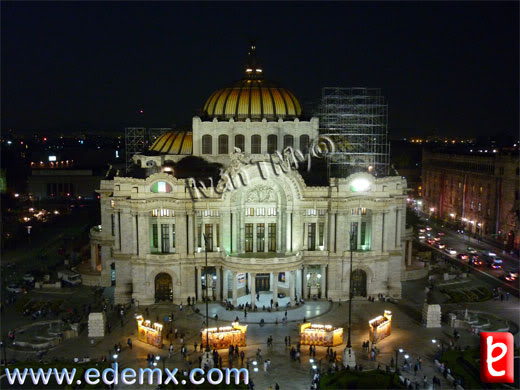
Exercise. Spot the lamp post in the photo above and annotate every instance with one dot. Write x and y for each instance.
(397, 352)
(207, 359)
(349, 357)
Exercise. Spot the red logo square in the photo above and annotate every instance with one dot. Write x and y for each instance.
(496, 357)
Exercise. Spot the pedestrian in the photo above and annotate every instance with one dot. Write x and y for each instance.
(176, 332)
(129, 342)
(415, 368)
(285, 340)
(419, 363)
(286, 314)
(180, 307)
(276, 386)
(242, 356)
(501, 297)
(425, 382)
(195, 346)
(507, 296)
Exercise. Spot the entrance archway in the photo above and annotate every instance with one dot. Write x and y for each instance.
(359, 283)
(262, 282)
(163, 287)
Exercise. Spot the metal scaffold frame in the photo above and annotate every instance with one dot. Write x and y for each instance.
(356, 119)
(138, 139)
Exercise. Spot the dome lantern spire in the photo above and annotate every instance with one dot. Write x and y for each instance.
(253, 67)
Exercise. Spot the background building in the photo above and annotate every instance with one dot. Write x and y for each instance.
(480, 190)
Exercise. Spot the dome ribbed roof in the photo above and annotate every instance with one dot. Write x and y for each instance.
(175, 142)
(252, 97)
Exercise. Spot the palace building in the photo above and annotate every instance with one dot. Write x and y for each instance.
(264, 229)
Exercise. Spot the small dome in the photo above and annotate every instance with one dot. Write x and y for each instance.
(252, 97)
(175, 142)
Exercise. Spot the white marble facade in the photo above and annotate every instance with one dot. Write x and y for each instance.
(268, 232)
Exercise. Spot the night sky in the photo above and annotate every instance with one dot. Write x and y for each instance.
(446, 68)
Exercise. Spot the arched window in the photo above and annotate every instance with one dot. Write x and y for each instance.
(288, 140)
(206, 144)
(256, 146)
(240, 142)
(304, 143)
(223, 144)
(272, 143)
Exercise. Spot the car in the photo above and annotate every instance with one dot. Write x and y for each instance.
(428, 228)
(436, 239)
(440, 245)
(422, 229)
(463, 256)
(511, 276)
(440, 234)
(495, 263)
(14, 288)
(421, 237)
(471, 250)
(476, 261)
(28, 278)
(450, 251)
(490, 253)
(460, 231)
(430, 241)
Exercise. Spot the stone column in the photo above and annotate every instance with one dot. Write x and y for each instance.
(93, 256)
(330, 233)
(144, 234)
(234, 286)
(377, 224)
(323, 280)
(199, 283)
(278, 230)
(305, 287)
(288, 232)
(409, 253)
(398, 214)
(275, 288)
(225, 288)
(304, 236)
(191, 233)
(214, 232)
(252, 288)
(291, 286)
(218, 294)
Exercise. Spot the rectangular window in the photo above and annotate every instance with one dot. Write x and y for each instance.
(321, 230)
(155, 236)
(354, 235)
(165, 238)
(260, 237)
(363, 232)
(218, 235)
(208, 231)
(249, 237)
(113, 224)
(271, 236)
(311, 237)
(199, 235)
(256, 146)
(173, 236)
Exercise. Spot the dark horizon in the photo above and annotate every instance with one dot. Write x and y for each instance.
(444, 68)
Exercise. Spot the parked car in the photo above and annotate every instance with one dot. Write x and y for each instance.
(450, 251)
(69, 277)
(14, 288)
(28, 278)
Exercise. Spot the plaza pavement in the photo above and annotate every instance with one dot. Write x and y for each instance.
(407, 333)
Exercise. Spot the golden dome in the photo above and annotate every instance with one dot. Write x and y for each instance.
(175, 142)
(252, 97)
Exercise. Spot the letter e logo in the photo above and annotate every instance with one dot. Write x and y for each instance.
(496, 357)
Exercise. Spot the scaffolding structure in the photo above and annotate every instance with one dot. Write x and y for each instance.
(139, 139)
(356, 119)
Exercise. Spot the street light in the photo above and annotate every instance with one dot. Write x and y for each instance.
(207, 359)
(349, 357)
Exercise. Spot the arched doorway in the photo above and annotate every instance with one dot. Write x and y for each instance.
(359, 283)
(163, 287)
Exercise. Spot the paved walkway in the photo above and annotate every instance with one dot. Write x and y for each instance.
(310, 310)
